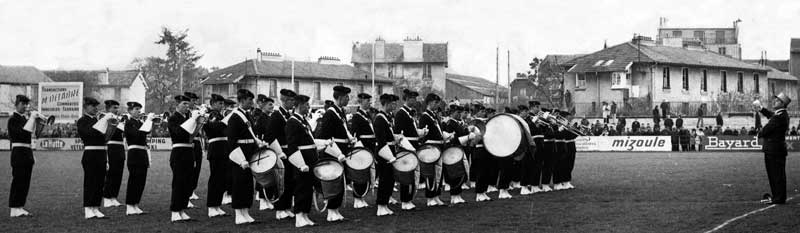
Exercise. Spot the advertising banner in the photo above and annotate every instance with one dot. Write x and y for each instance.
(623, 143)
(75, 144)
(732, 143)
(64, 100)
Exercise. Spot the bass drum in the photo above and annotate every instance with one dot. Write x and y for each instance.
(506, 135)
(267, 170)
(329, 173)
(405, 167)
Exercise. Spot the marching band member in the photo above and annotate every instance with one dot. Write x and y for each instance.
(95, 160)
(116, 159)
(561, 155)
(230, 105)
(385, 144)
(484, 163)
(334, 125)
(567, 162)
(430, 120)
(276, 138)
(218, 150)
(549, 154)
(181, 160)
(461, 136)
(405, 125)
(505, 171)
(774, 136)
(363, 131)
(534, 171)
(138, 156)
(197, 149)
(303, 154)
(244, 143)
(22, 159)
(261, 116)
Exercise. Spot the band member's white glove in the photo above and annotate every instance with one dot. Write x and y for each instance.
(275, 146)
(757, 105)
(561, 128)
(358, 144)
(297, 160)
(30, 125)
(322, 143)
(334, 150)
(237, 157)
(406, 144)
(386, 154)
(422, 132)
(121, 126)
(148, 123)
(447, 136)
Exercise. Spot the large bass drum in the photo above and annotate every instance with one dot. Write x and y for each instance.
(506, 135)
(267, 170)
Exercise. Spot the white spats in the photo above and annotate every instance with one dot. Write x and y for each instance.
(465, 186)
(568, 185)
(559, 186)
(20, 212)
(130, 210)
(184, 216)
(491, 189)
(515, 185)
(175, 216)
(359, 203)
(226, 199)
(435, 201)
(392, 201)
(97, 213)
(546, 188)
(384, 210)
(504, 194)
(408, 206)
(264, 204)
(302, 220)
(456, 199)
(524, 191)
(334, 215)
(111, 202)
(536, 189)
(481, 197)
(283, 214)
(216, 212)
(243, 216)
(190, 205)
(194, 197)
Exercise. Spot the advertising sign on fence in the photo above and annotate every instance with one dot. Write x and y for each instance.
(75, 144)
(732, 143)
(63, 100)
(623, 143)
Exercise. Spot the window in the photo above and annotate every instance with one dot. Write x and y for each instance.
(724, 83)
(685, 78)
(522, 92)
(677, 33)
(360, 88)
(580, 80)
(720, 37)
(379, 89)
(755, 83)
(608, 63)
(771, 88)
(392, 68)
(273, 88)
(618, 80)
(426, 71)
(665, 72)
(722, 51)
(317, 90)
(740, 82)
(220, 89)
(704, 81)
(598, 63)
(699, 35)
(297, 86)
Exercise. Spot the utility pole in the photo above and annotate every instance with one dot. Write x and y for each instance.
(508, 79)
(497, 77)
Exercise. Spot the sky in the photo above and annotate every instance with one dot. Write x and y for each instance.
(92, 34)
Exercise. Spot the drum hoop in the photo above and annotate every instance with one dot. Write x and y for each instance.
(327, 161)
(352, 153)
(519, 122)
(463, 153)
(431, 147)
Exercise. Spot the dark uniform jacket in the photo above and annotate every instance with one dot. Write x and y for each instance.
(333, 125)
(277, 127)
(135, 137)
(363, 130)
(176, 133)
(260, 125)
(404, 123)
(298, 133)
(88, 134)
(457, 128)
(431, 120)
(240, 129)
(774, 132)
(215, 128)
(16, 133)
(383, 133)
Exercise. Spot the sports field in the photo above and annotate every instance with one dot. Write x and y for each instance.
(615, 192)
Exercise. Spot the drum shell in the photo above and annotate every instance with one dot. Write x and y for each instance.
(272, 175)
(404, 175)
(360, 176)
(520, 148)
(456, 169)
(329, 187)
(428, 169)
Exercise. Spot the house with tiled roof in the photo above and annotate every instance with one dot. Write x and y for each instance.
(270, 73)
(19, 80)
(524, 88)
(471, 89)
(639, 75)
(421, 66)
(120, 85)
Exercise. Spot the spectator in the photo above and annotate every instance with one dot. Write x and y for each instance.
(758, 120)
(684, 137)
(620, 122)
(585, 122)
(719, 119)
(743, 131)
(753, 131)
(679, 122)
(668, 123)
(635, 126)
(793, 132)
(692, 142)
(613, 110)
(728, 131)
(656, 117)
(665, 108)
(700, 114)
(699, 140)
(606, 112)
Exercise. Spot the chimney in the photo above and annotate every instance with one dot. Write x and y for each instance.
(412, 49)
(271, 56)
(102, 77)
(380, 45)
(794, 57)
(643, 40)
(258, 54)
(328, 60)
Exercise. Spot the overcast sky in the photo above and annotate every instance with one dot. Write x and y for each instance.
(86, 34)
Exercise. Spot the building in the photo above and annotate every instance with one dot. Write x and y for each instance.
(470, 89)
(524, 88)
(413, 63)
(782, 69)
(720, 40)
(120, 85)
(269, 74)
(639, 75)
(19, 80)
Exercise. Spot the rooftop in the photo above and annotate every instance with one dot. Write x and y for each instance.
(116, 78)
(22, 75)
(480, 85)
(283, 69)
(393, 52)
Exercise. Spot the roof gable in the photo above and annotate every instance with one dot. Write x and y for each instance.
(116, 78)
(480, 85)
(283, 69)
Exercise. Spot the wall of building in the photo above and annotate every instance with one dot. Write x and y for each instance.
(8, 94)
(694, 94)
(464, 94)
(306, 87)
(794, 63)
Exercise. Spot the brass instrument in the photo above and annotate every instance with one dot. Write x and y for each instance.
(559, 121)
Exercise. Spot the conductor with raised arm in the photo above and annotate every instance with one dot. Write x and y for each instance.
(774, 145)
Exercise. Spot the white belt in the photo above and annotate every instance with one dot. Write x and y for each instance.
(198, 138)
(19, 144)
(114, 143)
(571, 140)
(246, 141)
(339, 140)
(137, 147)
(176, 145)
(549, 140)
(217, 139)
(307, 147)
(412, 138)
(434, 142)
(538, 136)
(390, 143)
(557, 140)
(367, 136)
(285, 147)
(479, 146)
(94, 147)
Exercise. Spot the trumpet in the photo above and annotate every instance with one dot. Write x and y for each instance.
(560, 121)
(38, 119)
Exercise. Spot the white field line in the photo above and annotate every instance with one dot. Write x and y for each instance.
(744, 216)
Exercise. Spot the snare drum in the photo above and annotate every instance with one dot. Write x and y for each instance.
(359, 161)
(267, 169)
(428, 160)
(453, 160)
(404, 167)
(329, 173)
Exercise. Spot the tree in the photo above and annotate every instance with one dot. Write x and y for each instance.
(176, 73)
(547, 79)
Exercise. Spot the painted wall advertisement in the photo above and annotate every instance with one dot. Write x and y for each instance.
(64, 100)
(623, 143)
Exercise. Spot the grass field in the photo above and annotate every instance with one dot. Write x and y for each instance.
(616, 192)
